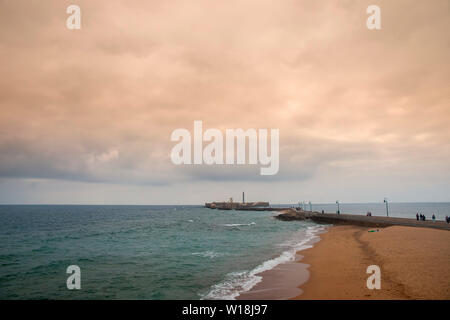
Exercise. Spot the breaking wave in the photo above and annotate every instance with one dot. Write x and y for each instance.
(238, 282)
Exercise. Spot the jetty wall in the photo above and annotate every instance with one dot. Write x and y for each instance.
(361, 220)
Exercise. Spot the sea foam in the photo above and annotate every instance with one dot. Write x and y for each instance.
(238, 224)
(239, 282)
(208, 254)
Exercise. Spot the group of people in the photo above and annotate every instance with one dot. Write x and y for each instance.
(422, 217)
(447, 218)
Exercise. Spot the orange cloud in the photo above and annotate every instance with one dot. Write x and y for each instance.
(348, 101)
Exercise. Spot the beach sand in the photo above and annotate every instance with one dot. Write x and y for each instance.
(414, 263)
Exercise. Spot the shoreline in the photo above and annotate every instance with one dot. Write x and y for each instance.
(282, 281)
(413, 262)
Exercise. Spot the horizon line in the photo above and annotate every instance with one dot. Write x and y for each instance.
(272, 204)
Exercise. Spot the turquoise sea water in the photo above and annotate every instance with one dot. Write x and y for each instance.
(150, 252)
(138, 252)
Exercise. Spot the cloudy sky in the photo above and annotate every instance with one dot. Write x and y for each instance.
(86, 115)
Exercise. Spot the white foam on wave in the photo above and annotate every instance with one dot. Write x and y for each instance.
(208, 254)
(238, 224)
(236, 283)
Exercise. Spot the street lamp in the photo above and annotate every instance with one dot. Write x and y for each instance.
(338, 210)
(387, 206)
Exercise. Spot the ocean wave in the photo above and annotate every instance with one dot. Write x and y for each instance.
(238, 224)
(236, 283)
(208, 254)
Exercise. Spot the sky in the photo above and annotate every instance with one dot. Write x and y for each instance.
(87, 115)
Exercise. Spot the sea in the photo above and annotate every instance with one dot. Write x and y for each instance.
(155, 252)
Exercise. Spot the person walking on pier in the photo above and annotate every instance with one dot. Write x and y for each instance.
(417, 216)
(433, 217)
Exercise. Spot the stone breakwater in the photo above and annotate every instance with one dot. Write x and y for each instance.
(360, 220)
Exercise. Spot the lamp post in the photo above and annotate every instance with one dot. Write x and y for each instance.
(338, 210)
(387, 206)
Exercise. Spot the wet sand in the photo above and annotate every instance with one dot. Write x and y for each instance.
(280, 283)
(283, 281)
(414, 263)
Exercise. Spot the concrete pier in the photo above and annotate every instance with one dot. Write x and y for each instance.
(362, 220)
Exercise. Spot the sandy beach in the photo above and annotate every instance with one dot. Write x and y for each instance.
(414, 264)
